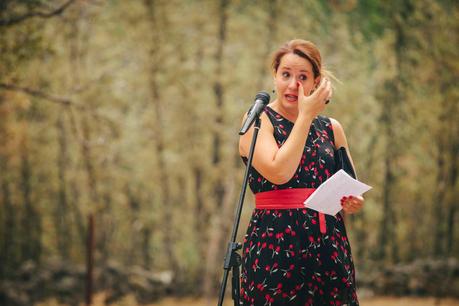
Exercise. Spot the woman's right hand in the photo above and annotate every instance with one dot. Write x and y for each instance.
(313, 104)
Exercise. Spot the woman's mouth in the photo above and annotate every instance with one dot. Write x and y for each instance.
(291, 98)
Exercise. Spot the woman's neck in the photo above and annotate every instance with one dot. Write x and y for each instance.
(288, 114)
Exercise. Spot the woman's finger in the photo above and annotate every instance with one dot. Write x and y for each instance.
(347, 207)
(358, 203)
(348, 210)
(354, 208)
(357, 206)
(357, 199)
(321, 88)
(300, 91)
(352, 204)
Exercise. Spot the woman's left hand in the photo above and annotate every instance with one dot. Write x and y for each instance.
(352, 204)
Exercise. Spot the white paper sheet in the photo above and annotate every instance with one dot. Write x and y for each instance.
(327, 198)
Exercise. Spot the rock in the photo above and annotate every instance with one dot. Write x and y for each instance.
(427, 277)
(12, 295)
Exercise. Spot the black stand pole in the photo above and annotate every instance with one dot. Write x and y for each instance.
(232, 257)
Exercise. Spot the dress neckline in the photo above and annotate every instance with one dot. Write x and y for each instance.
(283, 117)
(276, 113)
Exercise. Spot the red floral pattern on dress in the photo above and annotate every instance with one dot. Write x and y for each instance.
(286, 260)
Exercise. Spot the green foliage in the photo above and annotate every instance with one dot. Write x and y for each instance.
(110, 95)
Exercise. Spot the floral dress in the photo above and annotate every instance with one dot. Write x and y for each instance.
(286, 260)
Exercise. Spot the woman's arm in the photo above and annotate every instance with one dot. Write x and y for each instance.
(278, 165)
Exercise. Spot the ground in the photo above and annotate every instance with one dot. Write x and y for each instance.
(373, 301)
(379, 301)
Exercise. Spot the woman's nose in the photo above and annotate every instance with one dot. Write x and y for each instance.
(293, 83)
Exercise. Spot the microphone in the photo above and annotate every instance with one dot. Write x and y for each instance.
(261, 100)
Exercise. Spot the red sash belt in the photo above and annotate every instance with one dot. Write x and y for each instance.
(287, 199)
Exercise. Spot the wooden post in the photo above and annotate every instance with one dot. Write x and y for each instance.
(89, 259)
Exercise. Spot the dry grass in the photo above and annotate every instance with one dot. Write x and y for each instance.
(380, 301)
(99, 300)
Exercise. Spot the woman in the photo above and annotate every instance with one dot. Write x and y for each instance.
(294, 255)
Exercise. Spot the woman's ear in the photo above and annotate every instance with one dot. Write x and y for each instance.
(317, 81)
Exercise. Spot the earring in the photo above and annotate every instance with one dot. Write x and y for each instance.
(274, 91)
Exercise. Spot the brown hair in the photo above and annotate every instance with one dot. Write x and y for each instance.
(303, 48)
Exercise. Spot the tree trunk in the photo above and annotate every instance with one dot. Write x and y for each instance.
(452, 197)
(391, 114)
(31, 222)
(438, 201)
(106, 232)
(385, 227)
(8, 255)
(9, 247)
(155, 96)
(77, 50)
(271, 26)
(218, 187)
(141, 240)
(200, 212)
(76, 213)
(220, 223)
(61, 213)
(454, 190)
(387, 231)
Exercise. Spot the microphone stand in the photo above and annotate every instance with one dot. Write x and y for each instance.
(232, 258)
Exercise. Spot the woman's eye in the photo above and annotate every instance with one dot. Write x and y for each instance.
(285, 74)
(303, 77)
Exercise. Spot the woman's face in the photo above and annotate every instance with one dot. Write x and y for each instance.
(292, 69)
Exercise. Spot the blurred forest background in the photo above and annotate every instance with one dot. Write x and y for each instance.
(129, 111)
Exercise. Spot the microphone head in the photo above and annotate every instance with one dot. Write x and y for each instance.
(263, 96)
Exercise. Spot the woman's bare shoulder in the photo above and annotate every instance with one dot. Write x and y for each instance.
(338, 133)
(245, 140)
(335, 124)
